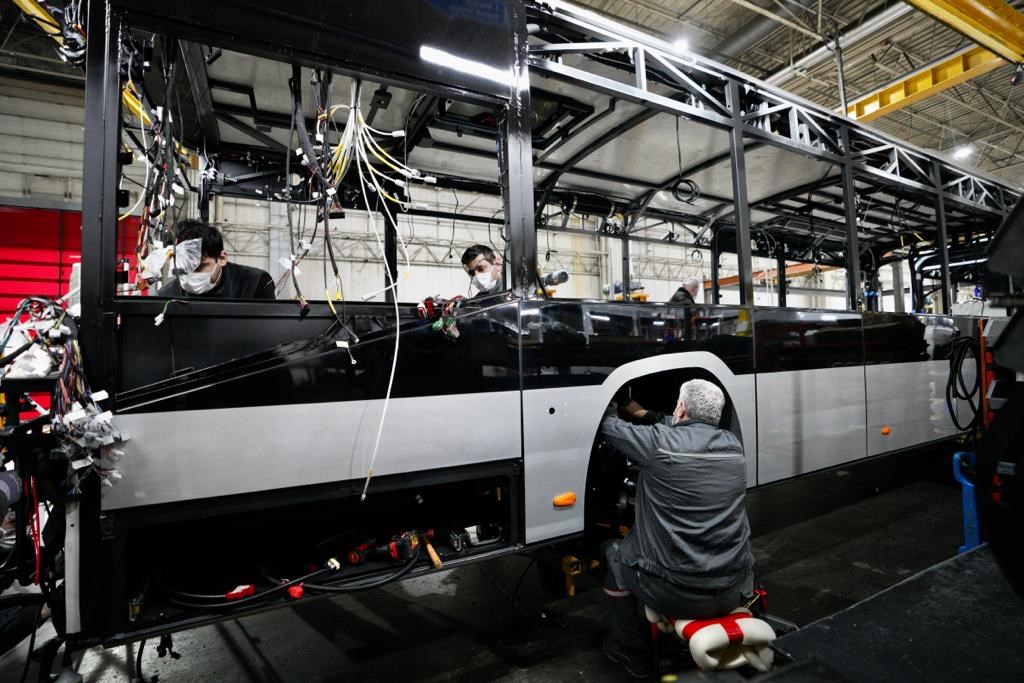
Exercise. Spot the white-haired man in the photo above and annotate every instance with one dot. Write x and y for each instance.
(687, 292)
(688, 554)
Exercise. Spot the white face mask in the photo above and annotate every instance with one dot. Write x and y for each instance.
(197, 283)
(485, 282)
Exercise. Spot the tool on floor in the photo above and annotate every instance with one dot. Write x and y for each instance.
(972, 536)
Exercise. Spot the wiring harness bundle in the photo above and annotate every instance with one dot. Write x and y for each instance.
(85, 431)
(329, 165)
(82, 428)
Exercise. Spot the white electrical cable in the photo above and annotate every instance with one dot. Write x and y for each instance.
(357, 142)
(361, 157)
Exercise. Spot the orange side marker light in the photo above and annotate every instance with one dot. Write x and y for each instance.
(564, 500)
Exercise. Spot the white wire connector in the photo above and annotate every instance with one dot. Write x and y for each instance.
(158, 319)
(430, 180)
(398, 133)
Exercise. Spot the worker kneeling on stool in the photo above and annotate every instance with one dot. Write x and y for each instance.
(688, 555)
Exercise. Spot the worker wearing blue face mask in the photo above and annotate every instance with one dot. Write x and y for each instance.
(201, 268)
(484, 267)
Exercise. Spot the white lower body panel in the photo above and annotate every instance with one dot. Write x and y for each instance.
(909, 399)
(193, 454)
(808, 420)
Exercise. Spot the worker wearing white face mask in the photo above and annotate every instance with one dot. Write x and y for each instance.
(484, 267)
(201, 268)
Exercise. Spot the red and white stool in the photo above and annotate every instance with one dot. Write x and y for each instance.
(725, 642)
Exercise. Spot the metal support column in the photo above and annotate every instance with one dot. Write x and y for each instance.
(853, 285)
(99, 200)
(897, 287)
(716, 253)
(390, 257)
(515, 160)
(744, 262)
(626, 275)
(780, 273)
(839, 74)
(942, 240)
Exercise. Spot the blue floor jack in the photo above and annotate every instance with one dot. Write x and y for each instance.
(972, 536)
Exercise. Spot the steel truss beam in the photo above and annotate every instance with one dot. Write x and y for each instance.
(767, 115)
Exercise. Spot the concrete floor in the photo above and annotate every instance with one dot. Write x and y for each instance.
(821, 543)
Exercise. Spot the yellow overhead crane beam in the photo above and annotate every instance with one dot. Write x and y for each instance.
(990, 23)
(955, 69)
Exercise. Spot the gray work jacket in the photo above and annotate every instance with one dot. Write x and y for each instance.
(691, 522)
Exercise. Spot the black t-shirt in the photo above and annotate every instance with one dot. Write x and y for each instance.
(236, 282)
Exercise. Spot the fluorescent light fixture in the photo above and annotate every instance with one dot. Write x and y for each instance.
(963, 151)
(466, 66)
(681, 45)
(659, 323)
(956, 263)
(603, 318)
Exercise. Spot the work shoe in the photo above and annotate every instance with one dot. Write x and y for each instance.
(637, 662)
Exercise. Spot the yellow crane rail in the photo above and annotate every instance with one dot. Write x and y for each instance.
(949, 71)
(990, 23)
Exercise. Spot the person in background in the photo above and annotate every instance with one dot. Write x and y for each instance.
(215, 277)
(687, 292)
(483, 266)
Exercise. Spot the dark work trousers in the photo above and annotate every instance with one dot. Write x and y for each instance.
(627, 588)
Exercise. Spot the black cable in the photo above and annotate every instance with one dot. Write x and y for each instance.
(689, 195)
(31, 642)
(956, 385)
(13, 355)
(190, 598)
(519, 583)
(288, 206)
(138, 663)
(455, 213)
(366, 584)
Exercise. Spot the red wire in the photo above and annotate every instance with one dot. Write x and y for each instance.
(35, 528)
